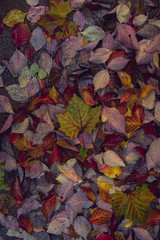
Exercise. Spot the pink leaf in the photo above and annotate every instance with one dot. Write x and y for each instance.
(118, 63)
(65, 191)
(79, 19)
(152, 156)
(45, 62)
(108, 41)
(127, 36)
(35, 13)
(17, 62)
(7, 124)
(115, 120)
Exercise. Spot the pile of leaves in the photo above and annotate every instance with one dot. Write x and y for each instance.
(80, 154)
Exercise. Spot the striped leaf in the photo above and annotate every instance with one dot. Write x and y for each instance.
(133, 206)
(100, 216)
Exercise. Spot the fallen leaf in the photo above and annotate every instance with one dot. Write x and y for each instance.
(111, 172)
(26, 224)
(112, 159)
(133, 206)
(21, 34)
(123, 13)
(78, 117)
(104, 237)
(82, 227)
(118, 63)
(152, 158)
(100, 216)
(48, 206)
(153, 218)
(93, 33)
(69, 172)
(13, 17)
(101, 79)
(38, 39)
(114, 119)
(101, 55)
(142, 233)
(5, 106)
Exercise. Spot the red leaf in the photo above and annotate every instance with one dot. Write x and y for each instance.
(107, 96)
(89, 192)
(112, 140)
(143, 154)
(137, 177)
(16, 191)
(55, 156)
(30, 51)
(48, 206)
(104, 237)
(100, 216)
(26, 224)
(21, 34)
(1, 26)
(150, 129)
(68, 92)
(153, 218)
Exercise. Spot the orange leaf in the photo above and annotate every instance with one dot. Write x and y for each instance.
(104, 191)
(88, 97)
(48, 206)
(153, 218)
(89, 192)
(145, 91)
(100, 216)
(136, 121)
(111, 172)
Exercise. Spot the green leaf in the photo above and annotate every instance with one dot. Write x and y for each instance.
(42, 74)
(55, 21)
(93, 33)
(82, 151)
(34, 68)
(78, 117)
(60, 9)
(3, 185)
(134, 205)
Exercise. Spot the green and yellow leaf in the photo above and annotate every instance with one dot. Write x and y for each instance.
(134, 205)
(78, 117)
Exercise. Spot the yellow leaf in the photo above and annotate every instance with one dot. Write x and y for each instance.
(13, 17)
(128, 224)
(125, 79)
(156, 59)
(145, 91)
(104, 191)
(53, 94)
(111, 172)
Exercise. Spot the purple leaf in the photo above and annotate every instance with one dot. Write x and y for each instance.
(127, 36)
(118, 63)
(82, 227)
(5, 106)
(142, 234)
(79, 19)
(66, 190)
(114, 119)
(17, 62)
